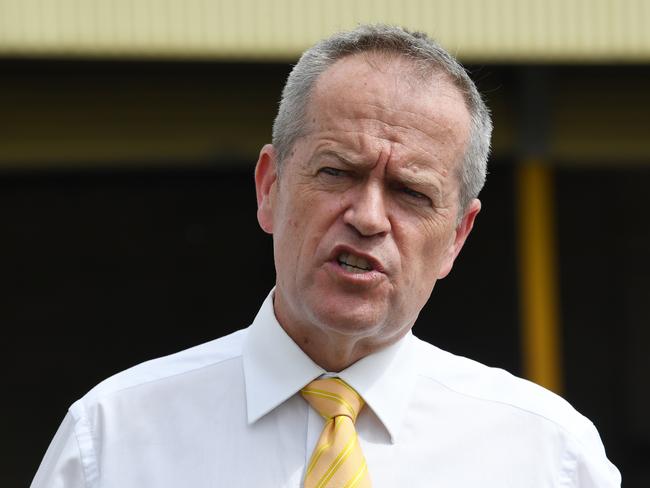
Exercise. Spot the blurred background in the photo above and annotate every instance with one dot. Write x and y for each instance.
(129, 131)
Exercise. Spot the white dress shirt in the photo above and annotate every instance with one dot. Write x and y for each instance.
(228, 414)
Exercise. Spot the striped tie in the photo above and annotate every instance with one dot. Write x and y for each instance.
(337, 460)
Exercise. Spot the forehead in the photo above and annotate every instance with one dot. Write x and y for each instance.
(373, 97)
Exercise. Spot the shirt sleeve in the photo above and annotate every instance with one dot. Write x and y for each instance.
(62, 465)
(589, 466)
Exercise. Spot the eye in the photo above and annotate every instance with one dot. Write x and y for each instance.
(416, 195)
(331, 171)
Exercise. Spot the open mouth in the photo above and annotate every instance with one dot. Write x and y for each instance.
(354, 264)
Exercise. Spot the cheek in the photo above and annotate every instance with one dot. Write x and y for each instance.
(304, 219)
(422, 253)
(286, 233)
(320, 224)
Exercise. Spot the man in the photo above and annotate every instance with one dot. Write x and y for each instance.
(369, 190)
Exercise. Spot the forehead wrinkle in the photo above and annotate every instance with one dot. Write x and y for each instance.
(326, 151)
(358, 148)
(391, 133)
(340, 150)
(394, 132)
(425, 159)
(446, 129)
(413, 172)
(351, 156)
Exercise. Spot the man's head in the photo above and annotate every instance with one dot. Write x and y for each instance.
(370, 208)
(426, 57)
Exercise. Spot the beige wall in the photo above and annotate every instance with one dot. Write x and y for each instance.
(476, 30)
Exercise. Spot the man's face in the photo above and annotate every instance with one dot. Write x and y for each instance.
(364, 213)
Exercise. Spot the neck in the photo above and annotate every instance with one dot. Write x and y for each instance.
(331, 352)
(332, 346)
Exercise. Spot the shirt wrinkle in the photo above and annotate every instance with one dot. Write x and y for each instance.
(100, 395)
(84, 460)
(557, 424)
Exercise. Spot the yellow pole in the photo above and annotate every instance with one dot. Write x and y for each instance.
(538, 277)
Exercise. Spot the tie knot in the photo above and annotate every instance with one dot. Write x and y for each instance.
(332, 397)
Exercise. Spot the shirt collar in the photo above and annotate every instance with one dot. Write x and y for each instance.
(386, 381)
(275, 368)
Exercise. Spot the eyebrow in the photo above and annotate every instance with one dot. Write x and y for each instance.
(339, 157)
(425, 178)
(417, 180)
(403, 177)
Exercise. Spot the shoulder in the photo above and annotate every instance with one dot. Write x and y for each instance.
(499, 390)
(151, 402)
(165, 372)
(513, 416)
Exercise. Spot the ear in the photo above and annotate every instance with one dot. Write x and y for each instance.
(462, 231)
(265, 187)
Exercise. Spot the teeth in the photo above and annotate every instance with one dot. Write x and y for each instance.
(354, 263)
(352, 269)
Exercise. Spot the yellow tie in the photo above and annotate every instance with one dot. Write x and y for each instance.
(337, 460)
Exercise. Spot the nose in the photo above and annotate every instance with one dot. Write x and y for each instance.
(366, 210)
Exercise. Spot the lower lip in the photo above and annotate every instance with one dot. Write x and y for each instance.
(371, 277)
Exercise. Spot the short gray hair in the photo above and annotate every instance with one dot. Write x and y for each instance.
(427, 56)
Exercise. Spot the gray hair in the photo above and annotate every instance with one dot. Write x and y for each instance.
(428, 57)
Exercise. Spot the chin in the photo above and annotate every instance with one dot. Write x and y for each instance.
(356, 321)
